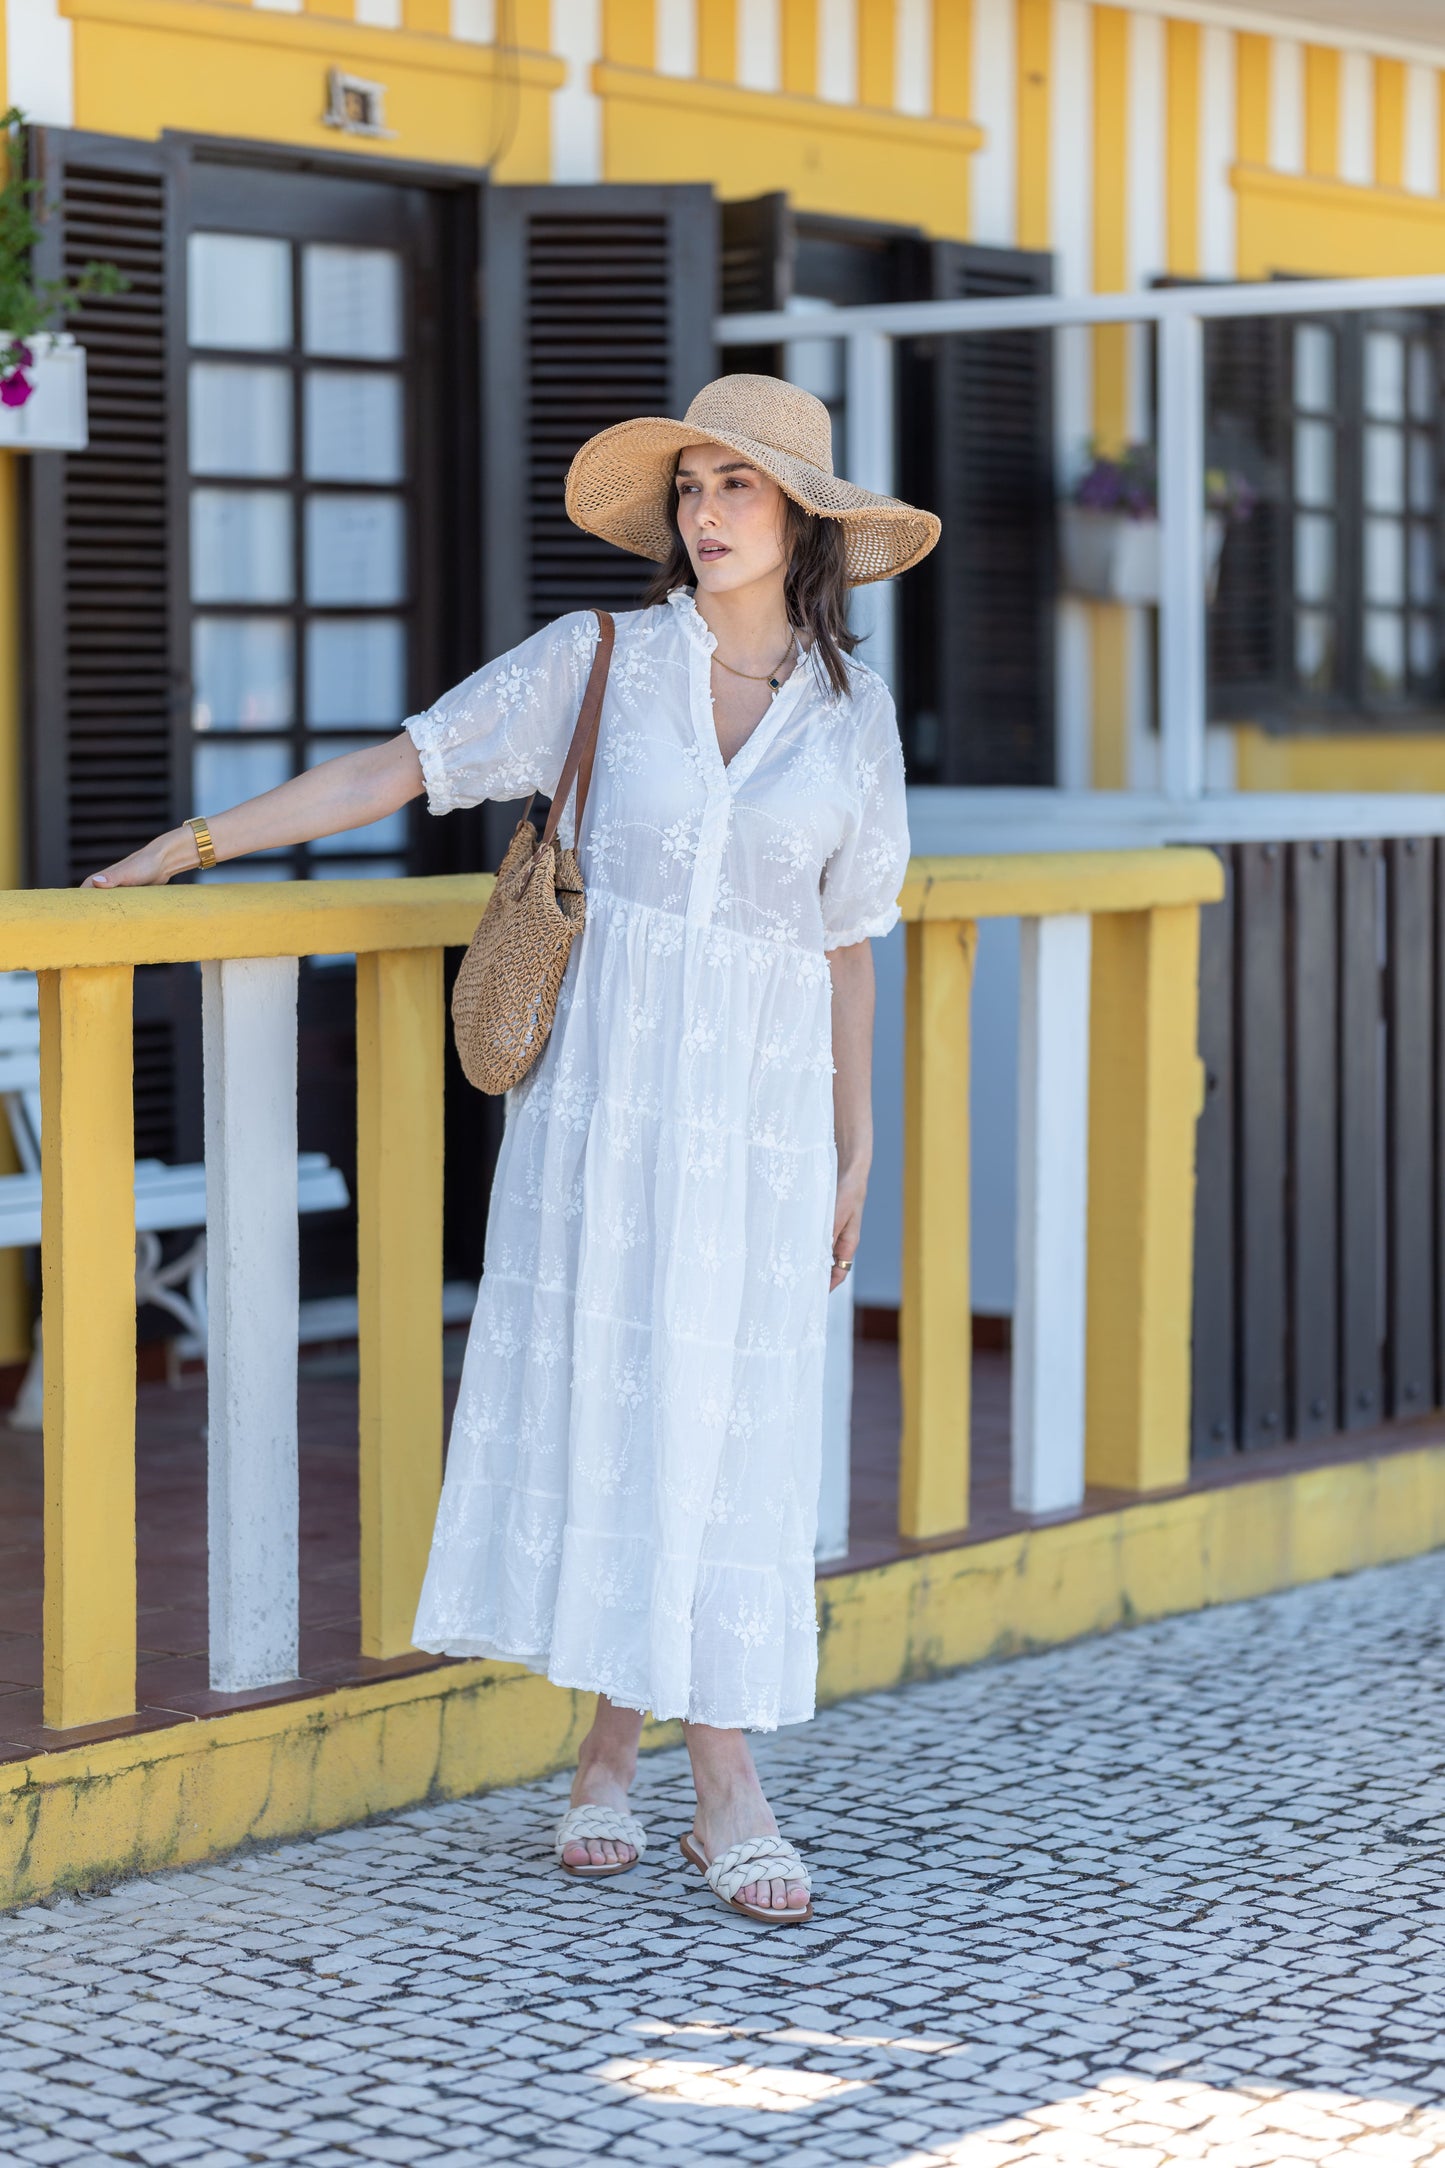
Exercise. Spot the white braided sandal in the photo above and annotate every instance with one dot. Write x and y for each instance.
(580, 1823)
(756, 1859)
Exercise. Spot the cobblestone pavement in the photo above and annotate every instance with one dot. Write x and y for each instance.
(1176, 1895)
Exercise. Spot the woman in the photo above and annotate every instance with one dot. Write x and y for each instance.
(631, 1488)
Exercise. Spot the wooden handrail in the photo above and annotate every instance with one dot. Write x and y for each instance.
(51, 929)
(1049, 884)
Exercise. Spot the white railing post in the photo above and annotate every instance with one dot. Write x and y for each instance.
(1052, 1246)
(249, 1010)
(869, 463)
(1181, 539)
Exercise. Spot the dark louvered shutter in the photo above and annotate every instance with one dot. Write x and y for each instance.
(105, 722)
(977, 616)
(105, 689)
(755, 271)
(1246, 416)
(598, 306)
(755, 264)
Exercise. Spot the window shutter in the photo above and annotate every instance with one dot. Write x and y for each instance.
(598, 306)
(756, 258)
(106, 755)
(977, 616)
(106, 692)
(1246, 410)
(755, 271)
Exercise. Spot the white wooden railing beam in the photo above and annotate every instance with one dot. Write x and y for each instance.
(249, 1013)
(1182, 687)
(1052, 1237)
(869, 462)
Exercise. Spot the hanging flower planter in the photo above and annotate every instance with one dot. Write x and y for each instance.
(42, 369)
(42, 393)
(1113, 557)
(1109, 534)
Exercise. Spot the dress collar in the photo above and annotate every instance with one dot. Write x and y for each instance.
(685, 609)
(683, 603)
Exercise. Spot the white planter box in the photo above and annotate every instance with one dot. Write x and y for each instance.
(1114, 558)
(53, 418)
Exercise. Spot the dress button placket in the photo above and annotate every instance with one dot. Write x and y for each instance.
(712, 831)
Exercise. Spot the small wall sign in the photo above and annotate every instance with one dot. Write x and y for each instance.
(354, 105)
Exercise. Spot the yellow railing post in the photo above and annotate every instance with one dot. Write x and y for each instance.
(935, 1324)
(88, 1309)
(399, 1045)
(1145, 1093)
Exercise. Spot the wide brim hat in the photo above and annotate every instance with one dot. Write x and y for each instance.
(620, 484)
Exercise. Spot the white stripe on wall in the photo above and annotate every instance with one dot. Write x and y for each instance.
(913, 56)
(1287, 106)
(838, 51)
(1148, 254)
(760, 53)
(1357, 119)
(1217, 139)
(676, 37)
(1422, 130)
(576, 113)
(474, 22)
(993, 173)
(38, 58)
(1071, 130)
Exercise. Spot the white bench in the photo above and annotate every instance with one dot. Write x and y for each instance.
(167, 1199)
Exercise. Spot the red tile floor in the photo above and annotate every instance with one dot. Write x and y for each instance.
(171, 1511)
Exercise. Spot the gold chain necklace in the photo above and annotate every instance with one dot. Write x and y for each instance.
(751, 675)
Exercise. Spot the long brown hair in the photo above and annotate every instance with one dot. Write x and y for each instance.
(815, 585)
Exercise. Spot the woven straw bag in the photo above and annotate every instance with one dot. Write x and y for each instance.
(505, 995)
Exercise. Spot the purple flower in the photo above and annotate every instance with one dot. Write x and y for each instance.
(15, 389)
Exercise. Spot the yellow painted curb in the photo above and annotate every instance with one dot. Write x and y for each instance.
(88, 1814)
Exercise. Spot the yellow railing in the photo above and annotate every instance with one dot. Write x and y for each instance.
(86, 947)
(1144, 1094)
(1144, 1089)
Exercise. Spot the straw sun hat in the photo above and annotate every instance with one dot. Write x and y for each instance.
(620, 484)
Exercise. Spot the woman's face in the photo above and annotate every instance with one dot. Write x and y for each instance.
(730, 516)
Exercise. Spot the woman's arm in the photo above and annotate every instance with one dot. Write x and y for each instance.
(852, 970)
(345, 793)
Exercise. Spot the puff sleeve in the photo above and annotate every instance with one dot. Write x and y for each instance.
(505, 730)
(862, 879)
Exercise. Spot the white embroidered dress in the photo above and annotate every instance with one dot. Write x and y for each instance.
(632, 1483)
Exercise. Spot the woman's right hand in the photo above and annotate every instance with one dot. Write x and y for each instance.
(152, 865)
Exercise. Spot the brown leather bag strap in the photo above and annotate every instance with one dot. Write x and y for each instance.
(582, 750)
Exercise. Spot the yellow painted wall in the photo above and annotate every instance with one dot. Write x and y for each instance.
(853, 161)
(218, 69)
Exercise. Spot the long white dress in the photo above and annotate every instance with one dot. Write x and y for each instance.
(632, 1484)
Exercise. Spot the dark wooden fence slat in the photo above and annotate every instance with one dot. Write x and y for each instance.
(1314, 1140)
(1262, 1142)
(1437, 1058)
(1409, 1039)
(1214, 1416)
(1361, 1138)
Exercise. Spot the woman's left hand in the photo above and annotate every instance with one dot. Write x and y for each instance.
(847, 1221)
